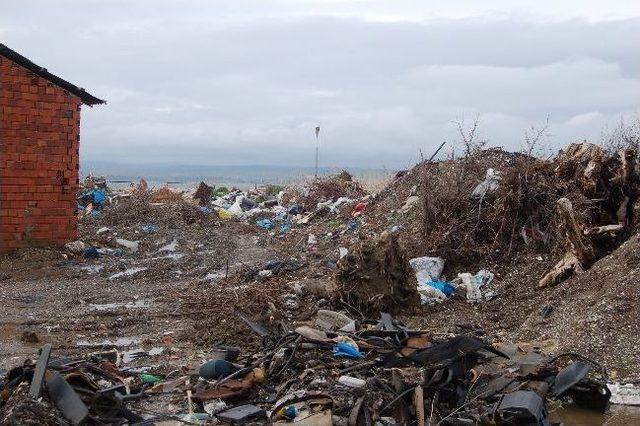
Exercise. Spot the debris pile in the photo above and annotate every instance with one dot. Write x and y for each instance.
(308, 196)
(165, 195)
(612, 185)
(342, 372)
(494, 206)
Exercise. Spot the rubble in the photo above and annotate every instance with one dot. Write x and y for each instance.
(450, 380)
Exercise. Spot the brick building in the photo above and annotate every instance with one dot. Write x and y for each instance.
(39, 158)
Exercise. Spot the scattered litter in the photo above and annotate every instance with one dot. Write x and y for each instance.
(215, 276)
(131, 245)
(92, 269)
(265, 273)
(343, 251)
(359, 209)
(331, 320)
(242, 414)
(173, 256)
(103, 230)
(409, 203)
(311, 333)
(443, 286)
(137, 304)
(216, 369)
(430, 294)
(399, 362)
(347, 349)
(624, 394)
(119, 342)
(171, 247)
(127, 273)
(149, 378)
(285, 228)
(76, 247)
(91, 253)
(476, 285)
(352, 382)
(318, 373)
(265, 224)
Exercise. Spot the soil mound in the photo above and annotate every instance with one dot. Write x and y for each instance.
(597, 312)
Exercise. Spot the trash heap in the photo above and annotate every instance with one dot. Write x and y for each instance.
(273, 208)
(92, 195)
(493, 206)
(333, 371)
(133, 236)
(374, 274)
(278, 209)
(333, 187)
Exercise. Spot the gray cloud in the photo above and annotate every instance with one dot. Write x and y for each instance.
(246, 82)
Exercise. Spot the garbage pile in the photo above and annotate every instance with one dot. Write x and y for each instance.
(134, 237)
(340, 185)
(374, 274)
(274, 208)
(279, 209)
(92, 195)
(147, 232)
(332, 371)
(492, 206)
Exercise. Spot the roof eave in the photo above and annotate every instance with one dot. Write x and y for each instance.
(85, 97)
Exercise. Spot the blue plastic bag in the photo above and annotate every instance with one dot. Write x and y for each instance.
(347, 350)
(91, 253)
(443, 286)
(98, 197)
(265, 224)
(285, 228)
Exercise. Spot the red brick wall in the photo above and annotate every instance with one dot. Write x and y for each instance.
(39, 141)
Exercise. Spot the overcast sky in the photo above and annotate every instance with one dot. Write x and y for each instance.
(246, 82)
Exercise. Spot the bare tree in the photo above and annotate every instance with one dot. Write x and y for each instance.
(626, 135)
(533, 137)
(469, 137)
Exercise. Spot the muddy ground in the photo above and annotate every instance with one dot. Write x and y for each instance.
(75, 307)
(78, 305)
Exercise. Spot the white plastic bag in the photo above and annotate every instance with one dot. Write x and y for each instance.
(430, 295)
(489, 184)
(427, 268)
(477, 285)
